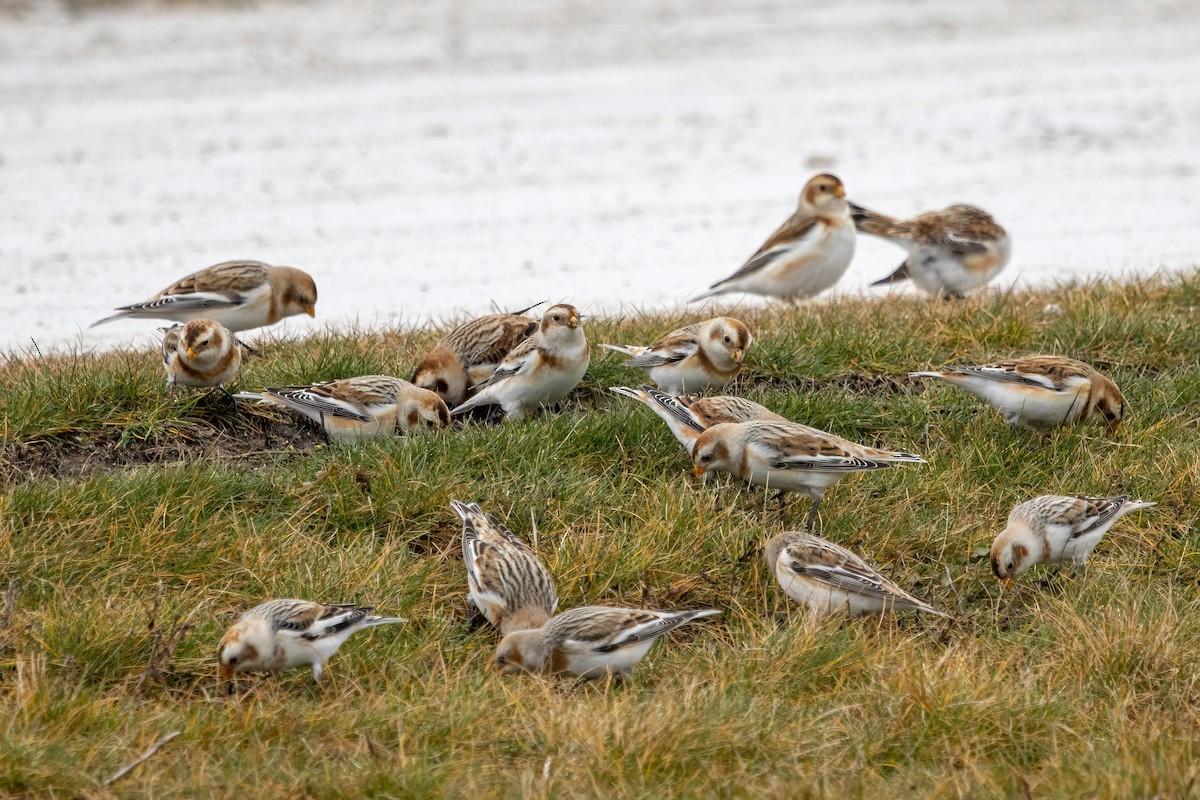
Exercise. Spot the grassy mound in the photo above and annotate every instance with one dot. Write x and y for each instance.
(136, 528)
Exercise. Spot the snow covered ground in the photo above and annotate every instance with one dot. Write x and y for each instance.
(426, 159)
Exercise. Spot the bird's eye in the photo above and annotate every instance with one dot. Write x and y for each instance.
(204, 341)
(1008, 566)
(727, 340)
(707, 457)
(501, 660)
(823, 188)
(232, 661)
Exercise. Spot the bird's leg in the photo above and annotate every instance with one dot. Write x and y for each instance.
(781, 496)
(475, 617)
(812, 515)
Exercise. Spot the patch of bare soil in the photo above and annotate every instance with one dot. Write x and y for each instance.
(253, 437)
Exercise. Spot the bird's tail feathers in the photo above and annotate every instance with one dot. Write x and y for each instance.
(108, 319)
(628, 350)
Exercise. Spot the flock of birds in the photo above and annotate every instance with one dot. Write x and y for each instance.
(520, 364)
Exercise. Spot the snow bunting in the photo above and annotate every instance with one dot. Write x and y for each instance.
(238, 294)
(505, 579)
(1040, 392)
(542, 369)
(1053, 528)
(828, 578)
(690, 416)
(360, 408)
(590, 642)
(788, 457)
(283, 634)
(469, 354)
(950, 252)
(201, 354)
(701, 356)
(807, 255)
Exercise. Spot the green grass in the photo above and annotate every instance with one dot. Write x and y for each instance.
(121, 505)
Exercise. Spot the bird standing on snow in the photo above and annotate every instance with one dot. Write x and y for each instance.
(701, 356)
(238, 294)
(1040, 392)
(950, 252)
(284, 634)
(590, 642)
(1053, 528)
(807, 255)
(828, 579)
(542, 369)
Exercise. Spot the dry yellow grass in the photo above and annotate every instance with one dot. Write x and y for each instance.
(1070, 686)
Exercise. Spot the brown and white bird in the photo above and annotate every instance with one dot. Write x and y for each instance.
(950, 252)
(1040, 392)
(238, 294)
(690, 416)
(469, 354)
(284, 634)
(590, 642)
(1054, 528)
(808, 254)
(362, 407)
(542, 369)
(704, 355)
(788, 457)
(829, 579)
(202, 354)
(505, 580)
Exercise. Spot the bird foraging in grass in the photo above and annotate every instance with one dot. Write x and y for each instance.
(828, 579)
(360, 408)
(808, 254)
(238, 294)
(202, 354)
(505, 580)
(468, 355)
(543, 369)
(1040, 392)
(690, 416)
(950, 252)
(284, 634)
(590, 642)
(788, 457)
(705, 355)
(1054, 528)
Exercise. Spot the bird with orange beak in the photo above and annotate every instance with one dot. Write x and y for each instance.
(238, 294)
(543, 369)
(1040, 392)
(285, 634)
(202, 354)
(704, 355)
(808, 254)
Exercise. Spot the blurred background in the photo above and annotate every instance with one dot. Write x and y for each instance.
(428, 159)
